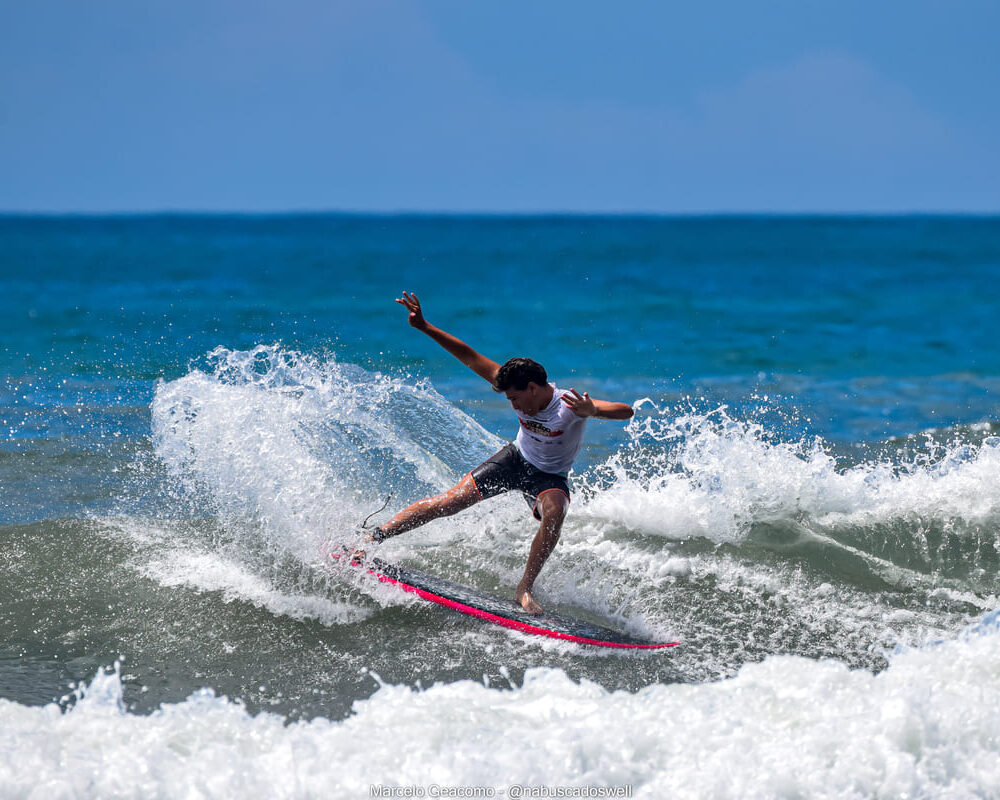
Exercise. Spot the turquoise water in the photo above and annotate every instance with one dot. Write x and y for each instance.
(198, 408)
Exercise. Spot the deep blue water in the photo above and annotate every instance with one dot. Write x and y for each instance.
(826, 307)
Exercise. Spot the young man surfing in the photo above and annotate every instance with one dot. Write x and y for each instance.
(536, 464)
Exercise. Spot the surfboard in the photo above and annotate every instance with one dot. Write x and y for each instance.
(506, 613)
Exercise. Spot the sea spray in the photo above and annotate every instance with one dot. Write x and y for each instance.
(288, 451)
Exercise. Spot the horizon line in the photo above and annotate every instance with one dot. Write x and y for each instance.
(479, 214)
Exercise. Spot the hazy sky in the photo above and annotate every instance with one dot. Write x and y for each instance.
(468, 105)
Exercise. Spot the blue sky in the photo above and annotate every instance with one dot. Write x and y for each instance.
(459, 105)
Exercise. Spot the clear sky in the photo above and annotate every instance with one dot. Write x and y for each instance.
(468, 105)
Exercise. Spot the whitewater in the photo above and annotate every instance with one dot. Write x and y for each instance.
(926, 726)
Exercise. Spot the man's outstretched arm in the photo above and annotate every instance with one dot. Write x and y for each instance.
(585, 406)
(477, 362)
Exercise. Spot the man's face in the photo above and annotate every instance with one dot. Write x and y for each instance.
(528, 400)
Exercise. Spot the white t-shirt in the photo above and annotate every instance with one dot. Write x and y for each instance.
(551, 439)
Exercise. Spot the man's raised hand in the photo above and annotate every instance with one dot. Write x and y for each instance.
(412, 305)
(581, 405)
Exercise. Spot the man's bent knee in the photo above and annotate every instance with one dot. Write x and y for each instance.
(552, 505)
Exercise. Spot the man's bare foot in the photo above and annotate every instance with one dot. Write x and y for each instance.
(357, 553)
(367, 538)
(527, 602)
(353, 554)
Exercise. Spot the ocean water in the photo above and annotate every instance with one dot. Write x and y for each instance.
(197, 409)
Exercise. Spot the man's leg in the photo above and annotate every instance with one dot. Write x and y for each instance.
(459, 497)
(552, 504)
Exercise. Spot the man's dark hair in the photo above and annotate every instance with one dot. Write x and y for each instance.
(517, 373)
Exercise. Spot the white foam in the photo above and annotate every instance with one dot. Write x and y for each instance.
(208, 572)
(160, 558)
(713, 477)
(927, 726)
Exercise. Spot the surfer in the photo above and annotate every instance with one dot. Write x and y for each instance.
(536, 464)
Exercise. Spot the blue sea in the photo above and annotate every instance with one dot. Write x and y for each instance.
(197, 410)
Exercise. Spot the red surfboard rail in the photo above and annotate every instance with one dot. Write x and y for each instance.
(460, 598)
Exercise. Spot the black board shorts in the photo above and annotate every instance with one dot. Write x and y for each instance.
(507, 470)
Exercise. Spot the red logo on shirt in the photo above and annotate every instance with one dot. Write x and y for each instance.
(541, 430)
